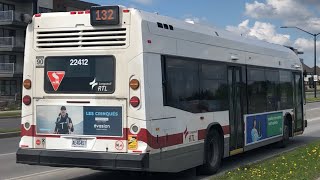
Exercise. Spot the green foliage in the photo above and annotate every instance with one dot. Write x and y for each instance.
(302, 163)
(9, 130)
(313, 99)
(4, 114)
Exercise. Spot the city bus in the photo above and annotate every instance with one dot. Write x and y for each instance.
(116, 88)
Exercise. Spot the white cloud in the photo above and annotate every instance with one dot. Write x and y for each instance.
(258, 10)
(241, 29)
(313, 3)
(144, 2)
(192, 19)
(291, 12)
(306, 45)
(280, 9)
(260, 30)
(311, 24)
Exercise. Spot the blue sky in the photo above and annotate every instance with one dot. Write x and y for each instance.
(260, 19)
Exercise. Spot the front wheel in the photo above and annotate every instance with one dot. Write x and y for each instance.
(213, 153)
(285, 139)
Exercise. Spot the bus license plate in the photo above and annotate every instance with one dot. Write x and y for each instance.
(82, 143)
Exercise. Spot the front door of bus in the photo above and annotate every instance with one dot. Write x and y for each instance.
(298, 102)
(235, 110)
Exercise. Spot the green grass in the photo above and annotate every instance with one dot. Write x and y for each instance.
(313, 99)
(10, 113)
(302, 163)
(9, 130)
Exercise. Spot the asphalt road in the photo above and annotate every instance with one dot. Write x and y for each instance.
(10, 123)
(10, 170)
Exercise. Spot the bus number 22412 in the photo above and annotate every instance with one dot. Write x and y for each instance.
(79, 62)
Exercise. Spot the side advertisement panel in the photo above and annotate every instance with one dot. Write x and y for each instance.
(263, 126)
(79, 120)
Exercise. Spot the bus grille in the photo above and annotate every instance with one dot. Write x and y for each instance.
(81, 38)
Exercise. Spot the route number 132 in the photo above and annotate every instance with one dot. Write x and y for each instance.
(104, 14)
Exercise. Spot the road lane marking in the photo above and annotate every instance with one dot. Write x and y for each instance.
(37, 174)
(312, 109)
(7, 154)
(313, 119)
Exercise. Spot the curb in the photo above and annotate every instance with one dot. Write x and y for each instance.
(9, 117)
(9, 135)
(312, 102)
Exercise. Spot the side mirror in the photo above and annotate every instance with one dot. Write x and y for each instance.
(27, 18)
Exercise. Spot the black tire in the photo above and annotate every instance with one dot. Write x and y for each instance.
(213, 153)
(285, 139)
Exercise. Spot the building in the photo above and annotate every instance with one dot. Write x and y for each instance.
(71, 5)
(12, 38)
(309, 76)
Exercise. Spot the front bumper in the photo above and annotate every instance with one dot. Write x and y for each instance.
(94, 160)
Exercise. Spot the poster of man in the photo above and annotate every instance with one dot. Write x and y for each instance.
(79, 120)
(59, 119)
(63, 123)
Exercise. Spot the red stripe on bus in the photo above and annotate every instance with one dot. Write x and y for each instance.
(157, 142)
(202, 133)
(144, 135)
(30, 132)
(226, 129)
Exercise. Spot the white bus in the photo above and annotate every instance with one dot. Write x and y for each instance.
(114, 88)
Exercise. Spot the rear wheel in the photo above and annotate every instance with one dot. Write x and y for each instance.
(213, 154)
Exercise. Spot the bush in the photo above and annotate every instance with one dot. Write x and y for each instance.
(11, 105)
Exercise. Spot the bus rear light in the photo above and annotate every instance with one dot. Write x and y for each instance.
(37, 15)
(134, 84)
(87, 11)
(26, 100)
(126, 10)
(73, 12)
(134, 129)
(134, 101)
(27, 125)
(27, 83)
(80, 12)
